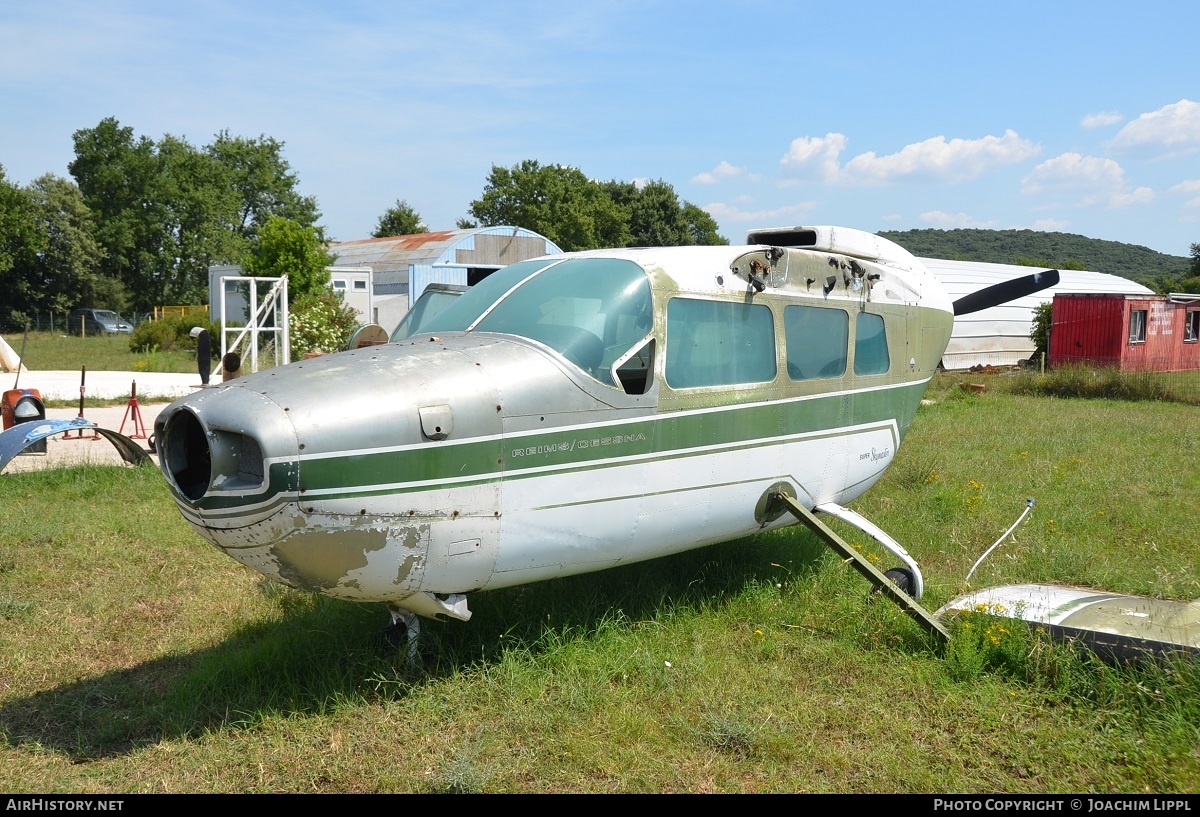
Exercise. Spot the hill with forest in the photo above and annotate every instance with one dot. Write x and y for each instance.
(1058, 250)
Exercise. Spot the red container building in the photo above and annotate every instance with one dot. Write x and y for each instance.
(1133, 333)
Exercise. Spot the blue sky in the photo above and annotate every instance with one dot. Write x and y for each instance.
(1079, 117)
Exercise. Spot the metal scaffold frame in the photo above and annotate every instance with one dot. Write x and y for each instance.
(268, 316)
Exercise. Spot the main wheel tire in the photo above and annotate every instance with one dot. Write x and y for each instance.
(903, 578)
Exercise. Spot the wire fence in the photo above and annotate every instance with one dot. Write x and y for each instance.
(57, 322)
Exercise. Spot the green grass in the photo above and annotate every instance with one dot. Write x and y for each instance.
(136, 658)
(51, 351)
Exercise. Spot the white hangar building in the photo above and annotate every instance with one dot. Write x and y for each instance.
(999, 335)
(404, 265)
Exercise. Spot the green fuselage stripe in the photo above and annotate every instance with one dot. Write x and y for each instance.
(664, 436)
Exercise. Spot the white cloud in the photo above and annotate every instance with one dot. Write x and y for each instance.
(892, 217)
(1096, 181)
(937, 159)
(1174, 129)
(763, 218)
(1101, 120)
(722, 171)
(1141, 195)
(815, 158)
(944, 220)
(1190, 186)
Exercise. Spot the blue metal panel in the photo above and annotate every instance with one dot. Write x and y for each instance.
(422, 275)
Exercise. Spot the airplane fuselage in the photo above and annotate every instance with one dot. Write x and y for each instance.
(566, 415)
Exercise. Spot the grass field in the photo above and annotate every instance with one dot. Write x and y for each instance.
(136, 658)
(50, 351)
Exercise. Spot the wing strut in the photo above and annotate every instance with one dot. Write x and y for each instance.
(907, 603)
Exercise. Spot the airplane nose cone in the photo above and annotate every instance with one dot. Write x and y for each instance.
(222, 442)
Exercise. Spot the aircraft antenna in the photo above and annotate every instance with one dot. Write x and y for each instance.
(1028, 508)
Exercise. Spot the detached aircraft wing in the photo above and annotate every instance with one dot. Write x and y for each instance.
(24, 435)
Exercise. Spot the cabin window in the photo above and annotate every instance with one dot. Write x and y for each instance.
(1191, 326)
(870, 345)
(817, 339)
(1137, 326)
(718, 343)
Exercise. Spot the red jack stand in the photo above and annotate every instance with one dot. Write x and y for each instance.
(79, 434)
(132, 409)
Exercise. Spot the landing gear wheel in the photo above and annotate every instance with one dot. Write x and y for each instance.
(400, 636)
(902, 577)
(391, 638)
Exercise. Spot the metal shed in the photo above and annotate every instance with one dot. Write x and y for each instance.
(999, 336)
(404, 265)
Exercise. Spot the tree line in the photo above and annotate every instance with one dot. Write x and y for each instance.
(139, 222)
(1158, 271)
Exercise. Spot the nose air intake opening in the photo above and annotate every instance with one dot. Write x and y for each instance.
(185, 454)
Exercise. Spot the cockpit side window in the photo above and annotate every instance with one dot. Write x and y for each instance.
(592, 311)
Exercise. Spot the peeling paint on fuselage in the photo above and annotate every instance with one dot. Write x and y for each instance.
(320, 560)
(329, 558)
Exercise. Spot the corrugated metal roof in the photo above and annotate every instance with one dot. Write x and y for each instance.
(397, 252)
(394, 258)
(999, 336)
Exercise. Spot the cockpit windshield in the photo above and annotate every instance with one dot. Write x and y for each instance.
(590, 310)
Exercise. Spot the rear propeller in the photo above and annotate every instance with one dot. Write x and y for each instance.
(1006, 291)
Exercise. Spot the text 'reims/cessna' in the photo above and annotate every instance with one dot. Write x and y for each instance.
(573, 413)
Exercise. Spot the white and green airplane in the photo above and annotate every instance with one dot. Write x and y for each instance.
(574, 413)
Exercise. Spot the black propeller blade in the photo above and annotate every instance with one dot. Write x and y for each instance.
(204, 355)
(1005, 291)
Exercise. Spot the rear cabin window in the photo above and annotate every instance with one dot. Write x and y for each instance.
(1191, 326)
(817, 341)
(870, 345)
(718, 343)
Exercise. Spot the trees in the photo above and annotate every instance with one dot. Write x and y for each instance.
(66, 273)
(399, 219)
(1130, 261)
(561, 203)
(166, 211)
(578, 213)
(20, 243)
(1189, 280)
(261, 182)
(1039, 330)
(117, 176)
(286, 247)
(702, 226)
